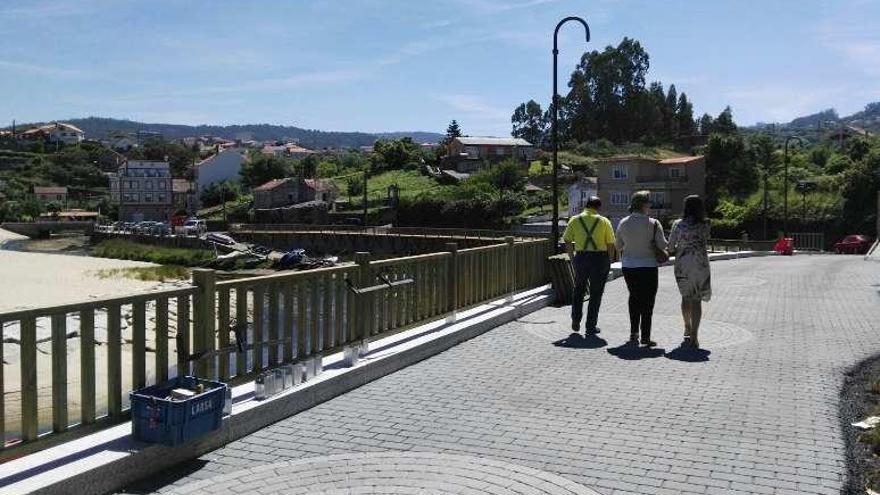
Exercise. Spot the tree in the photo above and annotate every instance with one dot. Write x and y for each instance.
(395, 154)
(724, 123)
(685, 116)
(263, 168)
(860, 185)
(529, 122)
(761, 151)
(729, 171)
(706, 124)
(216, 194)
(670, 122)
(452, 132)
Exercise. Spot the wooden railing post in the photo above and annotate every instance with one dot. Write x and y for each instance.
(511, 267)
(204, 319)
(362, 307)
(452, 280)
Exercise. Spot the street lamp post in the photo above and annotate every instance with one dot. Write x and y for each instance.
(555, 104)
(785, 184)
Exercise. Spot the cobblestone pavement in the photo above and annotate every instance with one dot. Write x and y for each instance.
(756, 414)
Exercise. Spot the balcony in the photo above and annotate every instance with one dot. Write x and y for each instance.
(661, 178)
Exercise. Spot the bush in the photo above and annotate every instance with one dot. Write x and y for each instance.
(128, 250)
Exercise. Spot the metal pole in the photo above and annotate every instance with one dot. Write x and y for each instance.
(785, 192)
(554, 229)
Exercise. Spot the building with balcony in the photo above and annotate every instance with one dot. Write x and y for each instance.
(669, 182)
(469, 154)
(142, 190)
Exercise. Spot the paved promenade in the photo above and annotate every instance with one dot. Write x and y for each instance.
(524, 409)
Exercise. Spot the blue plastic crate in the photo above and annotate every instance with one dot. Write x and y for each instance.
(156, 419)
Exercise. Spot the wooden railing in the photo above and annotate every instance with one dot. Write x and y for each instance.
(452, 233)
(79, 361)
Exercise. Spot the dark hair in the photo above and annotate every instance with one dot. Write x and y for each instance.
(639, 199)
(694, 209)
(594, 202)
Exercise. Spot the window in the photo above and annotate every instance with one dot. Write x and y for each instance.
(148, 185)
(127, 198)
(148, 197)
(161, 197)
(620, 171)
(472, 152)
(658, 199)
(290, 198)
(136, 198)
(675, 172)
(619, 198)
(151, 172)
(160, 184)
(59, 197)
(499, 151)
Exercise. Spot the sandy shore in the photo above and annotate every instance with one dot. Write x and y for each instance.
(40, 279)
(30, 280)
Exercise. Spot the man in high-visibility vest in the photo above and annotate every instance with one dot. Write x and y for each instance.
(589, 240)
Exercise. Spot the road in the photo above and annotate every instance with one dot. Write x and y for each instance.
(514, 411)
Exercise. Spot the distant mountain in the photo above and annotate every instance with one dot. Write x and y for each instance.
(100, 127)
(869, 119)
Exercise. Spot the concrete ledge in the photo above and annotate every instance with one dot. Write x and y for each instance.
(108, 460)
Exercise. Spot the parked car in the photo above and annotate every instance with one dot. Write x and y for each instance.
(853, 244)
(195, 227)
(220, 239)
(160, 229)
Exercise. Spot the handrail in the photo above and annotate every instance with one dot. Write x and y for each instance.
(283, 318)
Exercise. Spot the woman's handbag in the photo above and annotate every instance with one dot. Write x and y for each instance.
(661, 255)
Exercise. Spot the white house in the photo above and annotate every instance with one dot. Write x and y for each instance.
(223, 166)
(54, 133)
(579, 193)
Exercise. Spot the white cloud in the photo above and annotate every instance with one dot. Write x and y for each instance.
(42, 70)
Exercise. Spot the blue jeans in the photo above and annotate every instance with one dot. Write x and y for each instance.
(590, 270)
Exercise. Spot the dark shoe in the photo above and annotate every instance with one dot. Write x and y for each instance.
(648, 343)
(575, 326)
(686, 343)
(593, 331)
(633, 339)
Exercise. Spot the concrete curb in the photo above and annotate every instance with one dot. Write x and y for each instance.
(617, 272)
(111, 459)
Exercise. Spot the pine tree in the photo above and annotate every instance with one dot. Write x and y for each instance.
(706, 123)
(670, 123)
(529, 122)
(724, 123)
(685, 115)
(452, 132)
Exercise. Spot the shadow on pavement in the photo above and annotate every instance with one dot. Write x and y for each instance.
(578, 341)
(689, 355)
(168, 477)
(632, 352)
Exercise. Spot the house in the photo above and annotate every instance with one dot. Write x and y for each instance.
(224, 166)
(54, 133)
(121, 141)
(183, 197)
(468, 154)
(579, 193)
(669, 182)
(51, 194)
(142, 189)
(278, 193)
(289, 150)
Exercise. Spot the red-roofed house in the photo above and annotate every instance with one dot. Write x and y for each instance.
(47, 194)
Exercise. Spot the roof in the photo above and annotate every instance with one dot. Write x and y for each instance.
(533, 188)
(272, 184)
(50, 190)
(492, 141)
(684, 160)
(320, 185)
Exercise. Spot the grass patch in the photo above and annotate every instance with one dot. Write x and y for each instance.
(127, 250)
(147, 273)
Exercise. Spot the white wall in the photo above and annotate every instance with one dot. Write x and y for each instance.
(223, 166)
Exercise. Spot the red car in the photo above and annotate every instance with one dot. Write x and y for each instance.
(853, 244)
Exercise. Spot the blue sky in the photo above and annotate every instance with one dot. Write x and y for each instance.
(388, 65)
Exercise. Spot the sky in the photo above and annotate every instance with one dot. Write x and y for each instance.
(405, 65)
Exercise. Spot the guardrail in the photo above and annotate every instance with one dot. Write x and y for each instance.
(79, 361)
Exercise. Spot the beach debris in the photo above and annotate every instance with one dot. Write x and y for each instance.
(867, 423)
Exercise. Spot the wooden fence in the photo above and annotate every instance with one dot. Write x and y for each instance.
(77, 362)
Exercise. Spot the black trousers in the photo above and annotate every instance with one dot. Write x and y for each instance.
(590, 269)
(642, 285)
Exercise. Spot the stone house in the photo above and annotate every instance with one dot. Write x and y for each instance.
(469, 154)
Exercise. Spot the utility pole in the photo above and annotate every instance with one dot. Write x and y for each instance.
(364, 222)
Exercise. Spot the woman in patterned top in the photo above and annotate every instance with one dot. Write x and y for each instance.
(687, 242)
